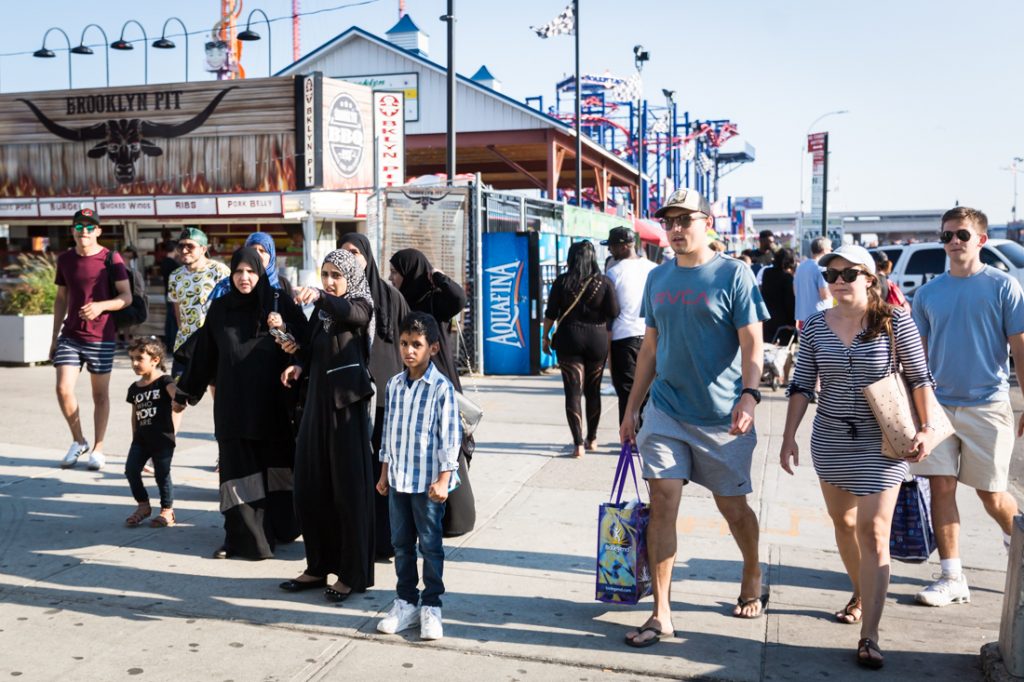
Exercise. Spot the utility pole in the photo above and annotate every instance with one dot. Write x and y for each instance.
(824, 192)
(450, 155)
(579, 107)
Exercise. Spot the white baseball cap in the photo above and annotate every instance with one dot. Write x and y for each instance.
(857, 255)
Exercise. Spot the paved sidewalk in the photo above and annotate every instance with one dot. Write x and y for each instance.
(87, 599)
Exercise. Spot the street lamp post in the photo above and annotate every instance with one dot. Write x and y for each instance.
(249, 34)
(670, 121)
(803, 147)
(1015, 169)
(82, 48)
(640, 57)
(45, 53)
(165, 43)
(124, 45)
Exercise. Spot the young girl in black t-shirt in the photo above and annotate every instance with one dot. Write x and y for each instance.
(152, 429)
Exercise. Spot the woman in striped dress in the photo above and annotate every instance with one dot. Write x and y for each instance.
(848, 348)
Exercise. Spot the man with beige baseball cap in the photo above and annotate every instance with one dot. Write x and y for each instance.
(701, 361)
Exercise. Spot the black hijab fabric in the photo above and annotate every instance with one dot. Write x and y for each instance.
(415, 269)
(261, 298)
(379, 288)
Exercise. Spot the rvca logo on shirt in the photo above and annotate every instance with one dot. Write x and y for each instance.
(681, 297)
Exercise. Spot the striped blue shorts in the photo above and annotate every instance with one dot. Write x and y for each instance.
(98, 357)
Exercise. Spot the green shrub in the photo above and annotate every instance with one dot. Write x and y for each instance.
(35, 291)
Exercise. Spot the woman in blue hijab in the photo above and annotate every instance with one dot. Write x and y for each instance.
(264, 245)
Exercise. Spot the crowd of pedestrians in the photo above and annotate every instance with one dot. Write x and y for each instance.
(342, 423)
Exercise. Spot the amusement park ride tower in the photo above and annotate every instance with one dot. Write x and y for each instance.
(670, 148)
(224, 48)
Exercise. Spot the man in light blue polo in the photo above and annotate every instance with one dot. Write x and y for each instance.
(701, 360)
(812, 294)
(969, 317)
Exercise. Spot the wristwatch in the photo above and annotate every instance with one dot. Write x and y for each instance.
(754, 393)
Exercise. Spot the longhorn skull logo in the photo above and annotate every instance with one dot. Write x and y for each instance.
(124, 140)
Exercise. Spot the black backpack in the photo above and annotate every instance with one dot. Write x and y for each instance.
(138, 311)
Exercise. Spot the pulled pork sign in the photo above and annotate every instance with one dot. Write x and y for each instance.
(186, 138)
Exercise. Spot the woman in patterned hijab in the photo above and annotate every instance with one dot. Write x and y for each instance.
(334, 461)
(357, 287)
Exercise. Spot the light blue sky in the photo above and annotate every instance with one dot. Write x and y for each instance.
(933, 86)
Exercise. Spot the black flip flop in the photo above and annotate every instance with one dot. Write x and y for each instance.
(638, 643)
(741, 602)
(866, 646)
(333, 595)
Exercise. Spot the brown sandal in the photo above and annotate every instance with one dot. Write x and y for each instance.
(847, 616)
(141, 513)
(165, 520)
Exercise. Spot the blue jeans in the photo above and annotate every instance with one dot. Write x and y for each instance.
(415, 516)
(161, 457)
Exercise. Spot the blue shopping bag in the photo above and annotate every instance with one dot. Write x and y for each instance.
(623, 574)
(912, 539)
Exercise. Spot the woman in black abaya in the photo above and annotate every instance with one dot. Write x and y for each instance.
(390, 308)
(429, 291)
(235, 350)
(334, 465)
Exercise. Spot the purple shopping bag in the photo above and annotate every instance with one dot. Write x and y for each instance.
(623, 575)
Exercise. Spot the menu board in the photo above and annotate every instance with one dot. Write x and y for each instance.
(431, 220)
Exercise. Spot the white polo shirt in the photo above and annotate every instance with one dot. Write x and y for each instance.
(629, 277)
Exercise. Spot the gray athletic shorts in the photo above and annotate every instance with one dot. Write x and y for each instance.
(707, 455)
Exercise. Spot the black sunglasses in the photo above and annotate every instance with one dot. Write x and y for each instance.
(947, 236)
(849, 274)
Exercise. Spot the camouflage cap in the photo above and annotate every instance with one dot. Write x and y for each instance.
(687, 200)
(193, 234)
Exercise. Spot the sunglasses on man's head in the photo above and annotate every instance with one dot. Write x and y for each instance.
(86, 228)
(187, 246)
(947, 236)
(849, 274)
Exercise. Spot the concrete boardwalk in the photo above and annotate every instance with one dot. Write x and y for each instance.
(85, 598)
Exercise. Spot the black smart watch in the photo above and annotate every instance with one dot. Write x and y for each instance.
(754, 393)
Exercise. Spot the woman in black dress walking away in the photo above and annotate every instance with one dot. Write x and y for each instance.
(430, 291)
(334, 464)
(583, 302)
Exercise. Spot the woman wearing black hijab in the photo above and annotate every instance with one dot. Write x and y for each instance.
(390, 308)
(334, 484)
(429, 291)
(235, 350)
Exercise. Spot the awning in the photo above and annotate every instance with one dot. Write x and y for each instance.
(650, 231)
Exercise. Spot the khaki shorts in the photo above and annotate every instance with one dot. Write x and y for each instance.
(978, 454)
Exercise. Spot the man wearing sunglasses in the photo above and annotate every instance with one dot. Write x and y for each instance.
(701, 360)
(188, 290)
(84, 333)
(968, 317)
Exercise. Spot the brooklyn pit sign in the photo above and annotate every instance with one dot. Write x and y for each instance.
(258, 135)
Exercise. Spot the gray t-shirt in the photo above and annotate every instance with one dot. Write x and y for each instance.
(966, 321)
(696, 312)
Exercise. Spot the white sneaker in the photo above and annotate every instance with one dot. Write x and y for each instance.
(74, 452)
(430, 622)
(402, 616)
(945, 591)
(96, 461)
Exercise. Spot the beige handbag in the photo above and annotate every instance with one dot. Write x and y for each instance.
(893, 406)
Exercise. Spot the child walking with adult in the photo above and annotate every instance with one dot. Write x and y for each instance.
(152, 431)
(419, 454)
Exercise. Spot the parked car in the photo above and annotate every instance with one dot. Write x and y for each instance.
(915, 264)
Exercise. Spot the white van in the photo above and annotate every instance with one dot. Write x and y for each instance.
(915, 264)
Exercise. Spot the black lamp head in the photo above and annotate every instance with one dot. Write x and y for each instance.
(81, 49)
(164, 44)
(669, 94)
(121, 44)
(248, 34)
(44, 53)
(640, 54)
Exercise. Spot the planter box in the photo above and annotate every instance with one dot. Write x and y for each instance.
(25, 339)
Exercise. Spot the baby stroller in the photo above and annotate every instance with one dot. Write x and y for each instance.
(778, 356)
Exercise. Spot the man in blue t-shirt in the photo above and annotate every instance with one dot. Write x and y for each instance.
(701, 361)
(968, 317)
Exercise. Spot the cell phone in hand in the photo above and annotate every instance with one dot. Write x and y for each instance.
(282, 336)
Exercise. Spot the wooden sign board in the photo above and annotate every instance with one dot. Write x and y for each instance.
(211, 137)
